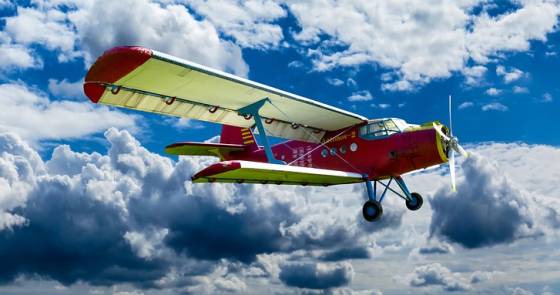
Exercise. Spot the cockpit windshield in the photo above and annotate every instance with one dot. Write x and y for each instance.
(382, 128)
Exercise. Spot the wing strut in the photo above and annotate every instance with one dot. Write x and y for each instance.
(253, 110)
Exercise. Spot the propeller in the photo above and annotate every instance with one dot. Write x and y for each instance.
(453, 142)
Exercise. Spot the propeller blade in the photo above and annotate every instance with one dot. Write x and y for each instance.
(438, 129)
(450, 121)
(461, 150)
(452, 170)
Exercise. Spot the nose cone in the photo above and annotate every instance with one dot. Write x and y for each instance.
(448, 145)
(442, 140)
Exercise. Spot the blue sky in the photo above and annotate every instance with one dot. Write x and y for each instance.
(90, 204)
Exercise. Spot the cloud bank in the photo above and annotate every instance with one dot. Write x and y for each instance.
(133, 217)
(413, 41)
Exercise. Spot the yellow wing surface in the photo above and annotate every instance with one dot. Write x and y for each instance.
(146, 80)
(264, 173)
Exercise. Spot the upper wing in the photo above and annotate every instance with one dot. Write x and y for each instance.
(147, 80)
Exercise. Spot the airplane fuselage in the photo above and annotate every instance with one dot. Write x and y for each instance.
(354, 150)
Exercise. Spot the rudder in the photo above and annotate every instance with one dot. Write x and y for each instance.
(238, 135)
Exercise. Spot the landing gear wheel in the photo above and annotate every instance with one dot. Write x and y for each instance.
(415, 203)
(372, 210)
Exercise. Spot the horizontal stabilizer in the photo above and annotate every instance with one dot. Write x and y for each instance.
(202, 149)
(265, 173)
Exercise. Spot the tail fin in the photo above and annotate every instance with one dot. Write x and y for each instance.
(238, 135)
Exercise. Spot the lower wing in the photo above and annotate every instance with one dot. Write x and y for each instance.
(264, 173)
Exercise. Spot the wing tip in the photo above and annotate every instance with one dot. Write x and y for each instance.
(93, 91)
(117, 62)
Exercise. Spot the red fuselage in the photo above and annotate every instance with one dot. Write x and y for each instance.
(352, 151)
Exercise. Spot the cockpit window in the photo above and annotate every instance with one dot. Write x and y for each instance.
(381, 128)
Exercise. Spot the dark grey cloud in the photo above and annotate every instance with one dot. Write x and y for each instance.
(437, 275)
(134, 217)
(317, 276)
(205, 231)
(345, 253)
(392, 217)
(481, 276)
(487, 209)
(70, 237)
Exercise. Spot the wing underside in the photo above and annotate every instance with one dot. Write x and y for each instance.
(146, 80)
(202, 149)
(264, 173)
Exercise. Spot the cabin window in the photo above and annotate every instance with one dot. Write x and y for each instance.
(379, 129)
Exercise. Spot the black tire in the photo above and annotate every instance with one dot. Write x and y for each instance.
(372, 211)
(416, 202)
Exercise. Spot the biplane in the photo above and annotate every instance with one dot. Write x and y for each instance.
(322, 145)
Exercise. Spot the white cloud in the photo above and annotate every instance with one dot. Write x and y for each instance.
(364, 95)
(65, 89)
(512, 30)
(31, 114)
(519, 90)
(437, 275)
(509, 76)
(232, 284)
(493, 91)
(16, 56)
(352, 83)
(547, 98)
(474, 76)
(335, 81)
(381, 105)
(184, 123)
(401, 85)
(248, 22)
(386, 77)
(88, 28)
(465, 105)
(495, 106)
(19, 167)
(296, 64)
(419, 40)
(5, 3)
(146, 244)
(48, 28)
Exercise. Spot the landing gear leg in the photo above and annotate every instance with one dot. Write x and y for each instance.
(373, 210)
(414, 201)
